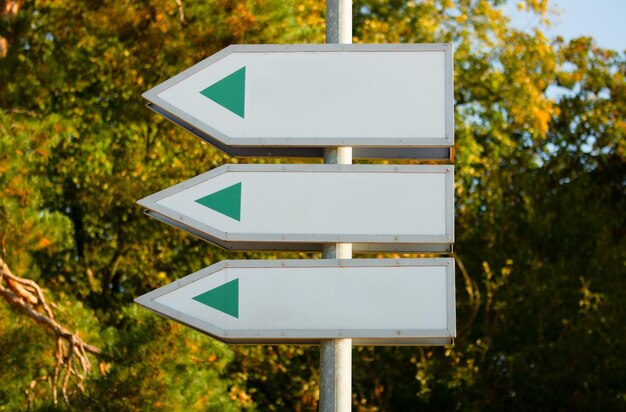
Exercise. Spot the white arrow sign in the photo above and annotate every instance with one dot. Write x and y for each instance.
(373, 301)
(269, 207)
(296, 97)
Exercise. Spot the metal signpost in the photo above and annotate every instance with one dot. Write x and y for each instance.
(278, 207)
(372, 301)
(336, 354)
(338, 101)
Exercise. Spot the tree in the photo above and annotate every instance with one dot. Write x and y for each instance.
(539, 244)
(539, 161)
(79, 149)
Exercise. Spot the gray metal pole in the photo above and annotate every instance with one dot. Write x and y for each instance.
(336, 354)
(339, 21)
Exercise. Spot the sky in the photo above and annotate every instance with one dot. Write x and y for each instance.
(604, 20)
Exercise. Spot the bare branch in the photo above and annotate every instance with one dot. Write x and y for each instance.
(27, 297)
(30, 391)
(25, 288)
(181, 13)
(49, 323)
(472, 290)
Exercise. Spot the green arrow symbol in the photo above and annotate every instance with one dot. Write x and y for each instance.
(230, 92)
(224, 298)
(226, 201)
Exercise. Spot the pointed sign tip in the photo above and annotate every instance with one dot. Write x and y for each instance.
(142, 300)
(229, 92)
(224, 298)
(143, 202)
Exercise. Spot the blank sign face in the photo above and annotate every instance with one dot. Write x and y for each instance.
(329, 298)
(377, 95)
(320, 203)
(363, 298)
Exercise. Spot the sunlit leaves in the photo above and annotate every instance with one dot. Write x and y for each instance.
(539, 160)
(26, 145)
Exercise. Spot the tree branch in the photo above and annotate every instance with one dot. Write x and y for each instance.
(27, 297)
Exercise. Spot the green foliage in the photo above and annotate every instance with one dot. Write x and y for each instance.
(159, 365)
(540, 187)
(79, 148)
(276, 378)
(25, 223)
(25, 357)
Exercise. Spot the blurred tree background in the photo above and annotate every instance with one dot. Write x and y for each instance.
(541, 224)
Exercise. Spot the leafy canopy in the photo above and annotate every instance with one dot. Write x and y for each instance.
(540, 164)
